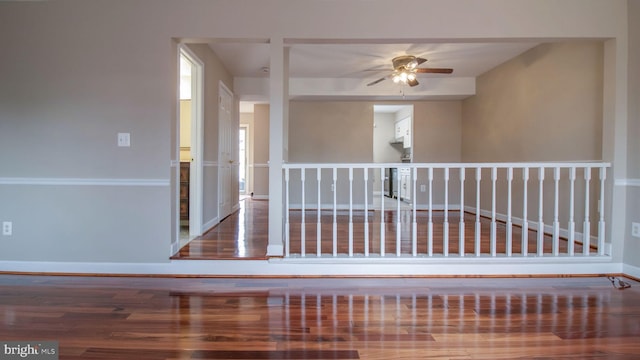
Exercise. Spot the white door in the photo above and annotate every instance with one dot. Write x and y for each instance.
(227, 140)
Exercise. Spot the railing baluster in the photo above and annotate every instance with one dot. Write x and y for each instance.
(366, 211)
(414, 228)
(586, 229)
(601, 223)
(572, 224)
(525, 202)
(540, 245)
(445, 224)
(430, 223)
(350, 211)
(494, 178)
(382, 239)
(478, 227)
(335, 212)
(556, 222)
(398, 225)
(302, 221)
(319, 218)
(461, 226)
(509, 235)
(287, 236)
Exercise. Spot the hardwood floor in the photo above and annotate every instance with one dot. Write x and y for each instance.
(196, 318)
(244, 234)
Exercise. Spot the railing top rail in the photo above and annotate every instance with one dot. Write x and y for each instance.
(518, 165)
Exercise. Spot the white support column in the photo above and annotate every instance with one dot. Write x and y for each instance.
(461, 226)
(286, 215)
(303, 232)
(572, 224)
(586, 227)
(335, 212)
(382, 234)
(279, 103)
(350, 212)
(525, 204)
(398, 224)
(366, 211)
(601, 223)
(414, 224)
(494, 178)
(430, 223)
(319, 215)
(556, 222)
(540, 245)
(445, 224)
(478, 237)
(509, 244)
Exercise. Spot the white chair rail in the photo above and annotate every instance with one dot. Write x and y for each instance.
(409, 210)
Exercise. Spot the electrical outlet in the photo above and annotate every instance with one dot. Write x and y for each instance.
(333, 187)
(124, 139)
(423, 188)
(635, 229)
(7, 228)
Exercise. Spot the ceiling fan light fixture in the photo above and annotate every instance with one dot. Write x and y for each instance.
(396, 78)
(411, 76)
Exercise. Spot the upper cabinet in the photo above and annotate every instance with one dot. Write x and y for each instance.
(403, 132)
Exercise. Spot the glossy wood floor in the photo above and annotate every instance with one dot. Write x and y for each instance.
(244, 234)
(195, 318)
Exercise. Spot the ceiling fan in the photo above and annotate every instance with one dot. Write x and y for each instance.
(405, 69)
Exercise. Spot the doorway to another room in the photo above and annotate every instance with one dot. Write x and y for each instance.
(392, 144)
(190, 146)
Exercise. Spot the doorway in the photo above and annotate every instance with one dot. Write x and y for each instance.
(392, 145)
(190, 146)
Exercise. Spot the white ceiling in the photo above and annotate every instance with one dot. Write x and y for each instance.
(359, 60)
(344, 62)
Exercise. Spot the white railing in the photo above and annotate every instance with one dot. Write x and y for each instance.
(445, 210)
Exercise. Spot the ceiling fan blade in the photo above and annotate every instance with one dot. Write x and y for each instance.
(420, 60)
(434, 71)
(377, 81)
(413, 82)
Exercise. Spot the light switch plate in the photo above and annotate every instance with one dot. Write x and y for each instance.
(124, 139)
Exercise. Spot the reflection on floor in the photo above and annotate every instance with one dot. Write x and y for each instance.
(242, 235)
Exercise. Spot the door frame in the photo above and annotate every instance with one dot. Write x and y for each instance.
(197, 142)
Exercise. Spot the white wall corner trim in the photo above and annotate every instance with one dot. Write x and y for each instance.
(83, 181)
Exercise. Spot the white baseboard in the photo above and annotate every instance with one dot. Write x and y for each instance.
(210, 224)
(260, 197)
(631, 270)
(341, 267)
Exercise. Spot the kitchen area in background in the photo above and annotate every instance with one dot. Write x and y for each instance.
(392, 143)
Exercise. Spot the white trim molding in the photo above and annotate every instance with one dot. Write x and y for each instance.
(209, 163)
(627, 182)
(259, 165)
(83, 181)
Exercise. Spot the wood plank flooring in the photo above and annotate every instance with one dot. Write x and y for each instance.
(244, 234)
(198, 318)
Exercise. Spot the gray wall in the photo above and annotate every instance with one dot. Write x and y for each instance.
(261, 151)
(632, 245)
(544, 105)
